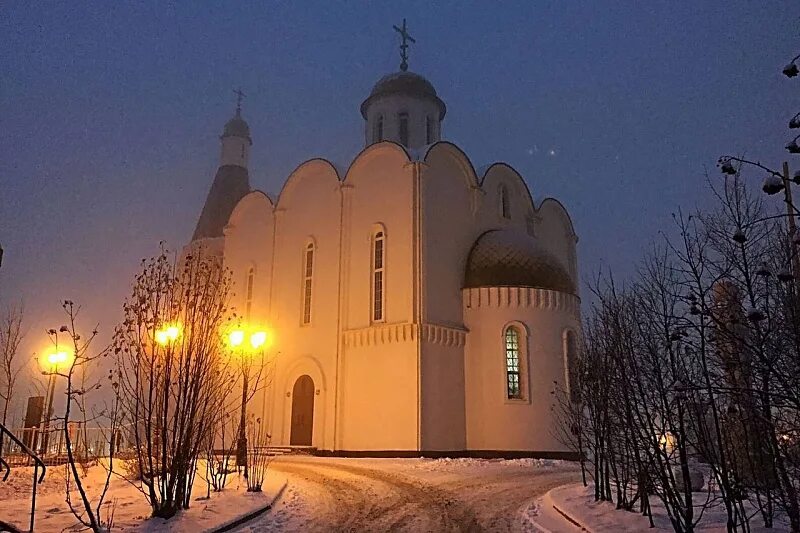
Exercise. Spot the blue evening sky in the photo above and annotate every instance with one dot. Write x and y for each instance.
(110, 114)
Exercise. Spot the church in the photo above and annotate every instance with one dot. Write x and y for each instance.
(419, 306)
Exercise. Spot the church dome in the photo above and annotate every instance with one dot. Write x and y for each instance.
(407, 84)
(508, 258)
(236, 127)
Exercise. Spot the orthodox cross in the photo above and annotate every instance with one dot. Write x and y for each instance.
(239, 95)
(404, 46)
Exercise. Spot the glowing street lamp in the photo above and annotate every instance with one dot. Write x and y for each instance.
(236, 338)
(167, 334)
(57, 357)
(257, 340)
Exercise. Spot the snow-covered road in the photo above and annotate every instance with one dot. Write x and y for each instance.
(334, 494)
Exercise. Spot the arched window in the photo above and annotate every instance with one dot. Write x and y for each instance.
(570, 360)
(308, 272)
(513, 364)
(378, 133)
(505, 205)
(248, 294)
(402, 120)
(378, 278)
(428, 130)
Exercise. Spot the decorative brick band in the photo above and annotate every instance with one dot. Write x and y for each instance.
(381, 334)
(525, 297)
(405, 332)
(444, 335)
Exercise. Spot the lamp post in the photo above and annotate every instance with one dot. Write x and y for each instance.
(50, 364)
(257, 340)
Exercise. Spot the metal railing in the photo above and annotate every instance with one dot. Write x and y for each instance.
(4, 432)
(88, 443)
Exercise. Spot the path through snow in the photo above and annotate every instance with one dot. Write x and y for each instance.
(334, 494)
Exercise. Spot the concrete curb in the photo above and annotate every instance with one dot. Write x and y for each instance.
(251, 515)
(548, 499)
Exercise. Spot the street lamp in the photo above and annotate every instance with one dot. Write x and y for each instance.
(168, 334)
(257, 340)
(57, 357)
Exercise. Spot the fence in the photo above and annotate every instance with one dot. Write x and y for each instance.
(50, 443)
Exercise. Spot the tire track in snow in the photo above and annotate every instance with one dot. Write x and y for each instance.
(376, 500)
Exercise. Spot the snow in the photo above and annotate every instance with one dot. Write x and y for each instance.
(131, 511)
(578, 502)
(409, 494)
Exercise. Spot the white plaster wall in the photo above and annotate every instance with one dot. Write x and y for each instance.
(308, 210)
(248, 244)
(493, 421)
(379, 365)
(443, 422)
(390, 107)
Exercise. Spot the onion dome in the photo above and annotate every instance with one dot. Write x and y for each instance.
(508, 258)
(406, 84)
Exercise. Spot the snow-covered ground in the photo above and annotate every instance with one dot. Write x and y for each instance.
(336, 494)
(130, 509)
(578, 502)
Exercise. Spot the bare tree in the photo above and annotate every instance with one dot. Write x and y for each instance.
(78, 358)
(11, 335)
(174, 372)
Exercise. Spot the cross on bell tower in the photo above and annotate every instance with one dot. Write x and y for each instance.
(239, 97)
(406, 38)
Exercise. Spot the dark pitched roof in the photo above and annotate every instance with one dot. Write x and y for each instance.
(230, 185)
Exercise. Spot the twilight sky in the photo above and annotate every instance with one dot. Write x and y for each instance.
(110, 115)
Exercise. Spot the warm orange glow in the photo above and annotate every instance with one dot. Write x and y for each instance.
(167, 334)
(667, 441)
(258, 339)
(57, 357)
(236, 338)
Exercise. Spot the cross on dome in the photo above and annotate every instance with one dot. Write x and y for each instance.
(406, 37)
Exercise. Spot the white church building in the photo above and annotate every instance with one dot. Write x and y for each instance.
(419, 307)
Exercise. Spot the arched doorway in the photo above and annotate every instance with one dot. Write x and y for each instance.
(302, 411)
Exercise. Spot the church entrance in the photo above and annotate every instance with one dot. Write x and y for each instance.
(302, 411)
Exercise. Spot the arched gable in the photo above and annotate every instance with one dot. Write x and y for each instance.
(315, 172)
(503, 172)
(386, 149)
(550, 208)
(456, 156)
(255, 205)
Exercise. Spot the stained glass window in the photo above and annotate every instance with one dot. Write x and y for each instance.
(513, 385)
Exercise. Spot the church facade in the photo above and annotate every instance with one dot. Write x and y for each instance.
(418, 306)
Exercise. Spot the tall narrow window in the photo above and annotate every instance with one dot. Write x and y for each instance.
(505, 207)
(378, 269)
(428, 130)
(513, 383)
(378, 133)
(308, 272)
(248, 293)
(402, 119)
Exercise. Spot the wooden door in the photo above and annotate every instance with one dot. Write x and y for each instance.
(302, 411)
